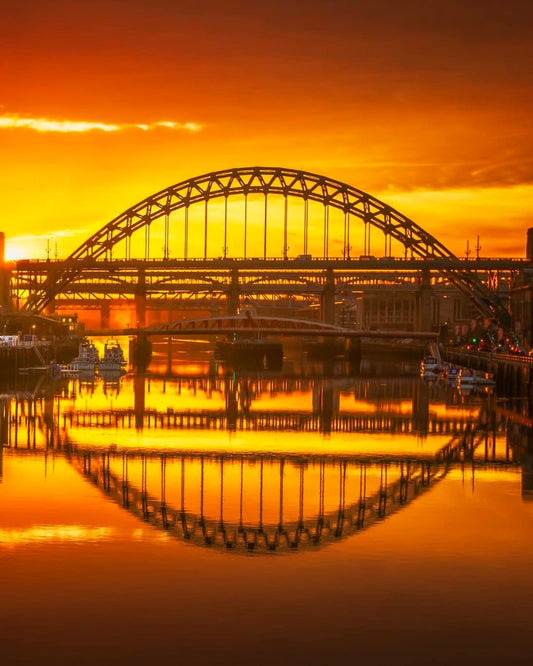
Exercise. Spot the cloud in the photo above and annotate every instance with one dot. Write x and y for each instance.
(75, 126)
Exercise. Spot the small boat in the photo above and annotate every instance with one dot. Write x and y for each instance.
(430, 367)
(113, 358)
(452, 374)
(87, 358)
(61, 370)
(466, 377)
(484, 379)
(471, 378)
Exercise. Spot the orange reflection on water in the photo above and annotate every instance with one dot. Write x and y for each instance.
(240, 441)
(10, 538)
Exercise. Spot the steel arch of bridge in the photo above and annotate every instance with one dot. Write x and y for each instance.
(267, 181)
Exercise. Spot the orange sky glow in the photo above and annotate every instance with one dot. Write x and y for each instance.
(427, 106)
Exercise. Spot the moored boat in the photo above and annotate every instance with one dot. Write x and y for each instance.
(430, 367)
(113, 358)
(452, 374)
(473, 378)
(62, 369)
(87, 358)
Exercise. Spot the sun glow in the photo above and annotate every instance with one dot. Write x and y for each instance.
(44, 246)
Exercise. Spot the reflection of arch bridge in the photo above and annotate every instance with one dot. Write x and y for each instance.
(263, 501)
(266, 504)
(270, 502)
(248, 262)
(253, 500)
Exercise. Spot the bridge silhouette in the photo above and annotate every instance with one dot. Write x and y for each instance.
(321, 263)
(261, 502)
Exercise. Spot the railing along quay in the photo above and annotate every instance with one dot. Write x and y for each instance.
(499, 357)
(512, 372)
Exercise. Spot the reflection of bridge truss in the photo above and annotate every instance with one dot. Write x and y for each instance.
(330, 405)
(91, 271)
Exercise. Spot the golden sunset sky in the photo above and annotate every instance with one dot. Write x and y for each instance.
(426, 104)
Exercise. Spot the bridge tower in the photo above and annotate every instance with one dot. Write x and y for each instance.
(105, 314)
(140, 299)
(233, 294)
(327, 309)
(424, 303)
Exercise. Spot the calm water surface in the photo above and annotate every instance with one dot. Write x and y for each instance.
(306, 516)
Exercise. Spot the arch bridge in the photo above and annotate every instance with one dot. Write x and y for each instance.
(231, 234)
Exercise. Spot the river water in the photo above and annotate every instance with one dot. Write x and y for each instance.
(310, 515)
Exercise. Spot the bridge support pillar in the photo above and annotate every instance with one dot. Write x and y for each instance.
(425, 319)
(327, 306)
(105, 315)
(140, 310)
(234, 294)
(353, 350)
(140, 300)
(50, 308)
(5, 278)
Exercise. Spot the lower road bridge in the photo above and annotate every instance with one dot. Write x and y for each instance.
(248, 324)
